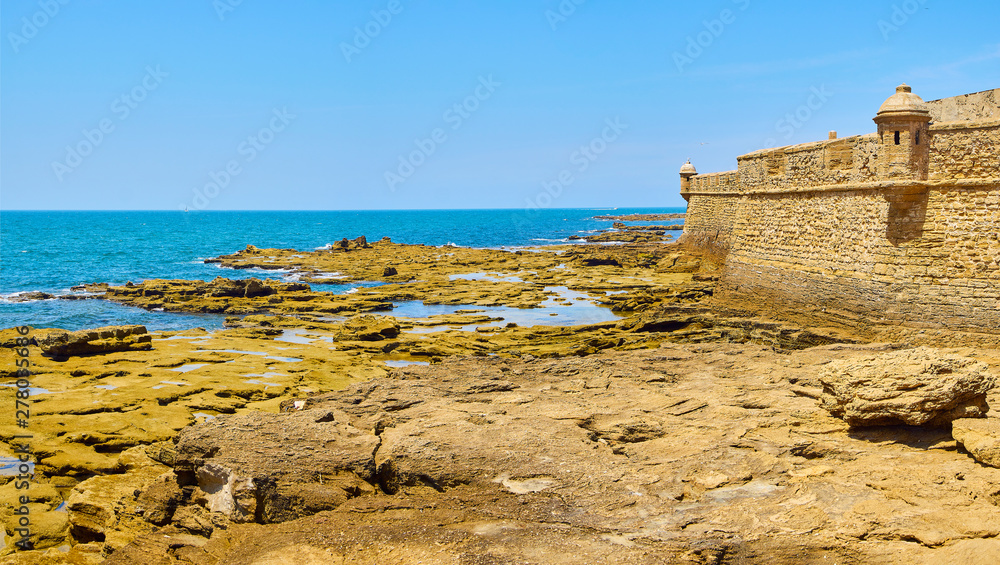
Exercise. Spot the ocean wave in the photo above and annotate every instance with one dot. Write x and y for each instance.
(328, 276)
(15, 297)
(531, 249)
(258, 270)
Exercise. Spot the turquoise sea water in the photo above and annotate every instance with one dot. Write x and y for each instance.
(52, 251)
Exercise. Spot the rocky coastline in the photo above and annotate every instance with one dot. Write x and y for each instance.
(413, 421)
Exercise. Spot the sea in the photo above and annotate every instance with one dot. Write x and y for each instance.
(53, 251)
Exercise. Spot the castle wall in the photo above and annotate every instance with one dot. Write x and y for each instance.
(820, 229)
(927, 260)
(709, 222)
(963, 150)
(710, 218)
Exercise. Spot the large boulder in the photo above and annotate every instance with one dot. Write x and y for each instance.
(249, 288)
(370, 328)
(981, 438)
(916, 387)
(108, 339)
(272, 468)
(255, 288)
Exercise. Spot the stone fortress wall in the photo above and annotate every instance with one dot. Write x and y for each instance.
(901, 226)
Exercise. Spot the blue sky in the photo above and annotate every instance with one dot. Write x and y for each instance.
(398, 104)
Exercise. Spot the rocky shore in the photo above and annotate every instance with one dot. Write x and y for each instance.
(654, 427)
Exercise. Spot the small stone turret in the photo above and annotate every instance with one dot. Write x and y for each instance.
(687, 171)
(903, 129)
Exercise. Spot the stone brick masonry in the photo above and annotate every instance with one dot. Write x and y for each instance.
(896, 227)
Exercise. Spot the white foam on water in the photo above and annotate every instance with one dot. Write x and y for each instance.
(328, 276)
(10, 296)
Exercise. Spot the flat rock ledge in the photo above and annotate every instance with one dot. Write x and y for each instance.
(699, 454)
(917, 387)
(981, 438)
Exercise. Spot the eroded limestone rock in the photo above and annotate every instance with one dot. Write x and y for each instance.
(108, 339)
(270, 468)
(48, 526)
(102, 509)
(370, 328)
(981, 438)
(917, 387)
(685, 453)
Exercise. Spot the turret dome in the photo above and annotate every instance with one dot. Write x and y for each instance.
(688, 169)
(903, 102)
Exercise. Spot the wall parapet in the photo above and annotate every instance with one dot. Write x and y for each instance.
(836, 161)
(965, 150)
(977, 106)
(971, 183)
(849, 163)
(962, 141)
(728, 181)
(953, 126)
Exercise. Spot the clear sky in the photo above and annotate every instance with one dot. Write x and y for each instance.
(403, 104)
